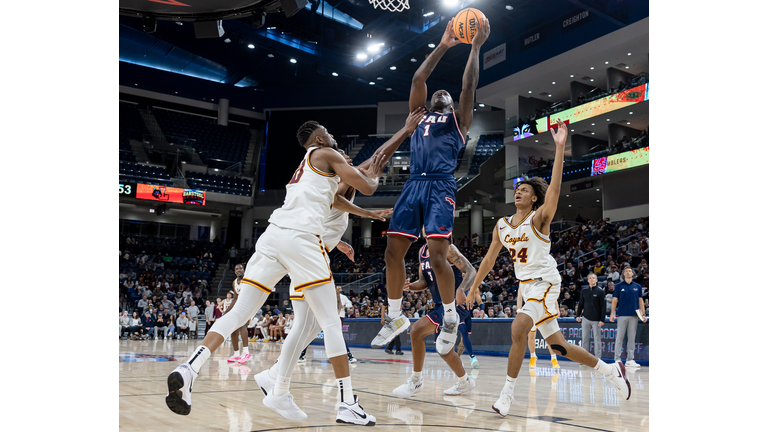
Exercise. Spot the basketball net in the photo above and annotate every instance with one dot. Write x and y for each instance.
(390, 5)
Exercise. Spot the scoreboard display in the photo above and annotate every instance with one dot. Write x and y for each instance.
(162, 193)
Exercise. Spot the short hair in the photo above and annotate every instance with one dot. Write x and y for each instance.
(539, 186)
(305, 131)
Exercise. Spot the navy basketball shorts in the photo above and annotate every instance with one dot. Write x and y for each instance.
(428, 202)
(436, 317)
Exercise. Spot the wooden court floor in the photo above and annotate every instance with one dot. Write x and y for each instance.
(225, 397)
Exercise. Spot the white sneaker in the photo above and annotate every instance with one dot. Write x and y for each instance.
(179, 396)
(619, 379)
(301, 361)
(447, 338)
(410, 387)
(264, 381)
(632, 363)
(392, 328)
(460, 387)
(504, 402)
(354, 414)
(284, 405)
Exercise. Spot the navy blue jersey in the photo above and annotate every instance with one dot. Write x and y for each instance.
(429, 275)
(435, 144)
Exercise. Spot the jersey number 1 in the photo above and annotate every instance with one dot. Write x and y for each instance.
(426, 130)
(522, 255)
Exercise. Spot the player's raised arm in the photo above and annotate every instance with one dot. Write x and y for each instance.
(486, 265)
(465, 267)
(419, 83)
(366, 181)
(469, 82)
(343, 204)
(546, 212)
(390, 147)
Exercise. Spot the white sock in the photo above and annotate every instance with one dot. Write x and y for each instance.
(237, 353)
(244, 351)
(394, 307)
(510, 383)
(416, 376)
(282, 384)
(603, 368)
(450, 312)
(464, 378)
(345, 389)
(273, 371)
(553, 357)
(197, 359)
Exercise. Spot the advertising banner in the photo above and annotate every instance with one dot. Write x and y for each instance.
(495, 56)
(601, 106)
(621, 161)
(170, 194)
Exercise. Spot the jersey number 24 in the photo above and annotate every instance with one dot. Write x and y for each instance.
(522, 255)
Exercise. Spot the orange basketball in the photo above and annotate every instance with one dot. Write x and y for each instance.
(466, 23)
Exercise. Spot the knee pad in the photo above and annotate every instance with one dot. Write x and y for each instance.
(334, 340)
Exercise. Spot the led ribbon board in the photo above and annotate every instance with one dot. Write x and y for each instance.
(170, 194)
(621, 161)
(601, 106)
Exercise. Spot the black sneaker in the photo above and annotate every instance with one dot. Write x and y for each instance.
(352, 358)
(399, 352)
(388, 351)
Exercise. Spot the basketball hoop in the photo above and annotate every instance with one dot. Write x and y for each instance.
(390, 5)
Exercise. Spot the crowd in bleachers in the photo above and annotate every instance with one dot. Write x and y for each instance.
(218, 183)
(165, 276)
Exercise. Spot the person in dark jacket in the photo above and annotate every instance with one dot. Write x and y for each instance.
(590, 312)
(147, 324)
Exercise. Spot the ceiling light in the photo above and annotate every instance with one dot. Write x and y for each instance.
(627, 122)
(606, 62)
(270, 55)
(271, 28)
(389, 88)
(393, 68)
(179, 23)
(573, 130)
(227, 40)
(597, 190)
(177, 92)
(607, 119)
(549, 95)
(334, 74)
(475, 109)
(475, 200)
(251, 46)
(482, 105)
(630, 112)
(529, 91)
(593, 133)
(413, 60)
(362, 56)
(431, 45)
(379, 78)
(571, 76)
(371, 83)
(428, 14)
(373, 48)
(509, 7)
(629, 53)
(553, 82)
(451, 2)
(569, 205)
(293, 60)
(593, 124)
(537, 140)
(591, 80)
(592, 68)
(626, 67)
(598, 200)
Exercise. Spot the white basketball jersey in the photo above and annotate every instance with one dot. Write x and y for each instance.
(528, 248)
(336, 225)
(237, 285)
(308, 199)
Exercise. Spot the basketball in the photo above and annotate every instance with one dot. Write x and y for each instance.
(466, 23)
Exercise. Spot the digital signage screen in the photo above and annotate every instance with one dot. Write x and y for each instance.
(621, 161)
(170, 194)
(601, 106)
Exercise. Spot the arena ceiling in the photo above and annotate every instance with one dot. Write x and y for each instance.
(172, 60)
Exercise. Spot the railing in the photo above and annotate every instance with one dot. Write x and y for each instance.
(362, 281)
(223, 276)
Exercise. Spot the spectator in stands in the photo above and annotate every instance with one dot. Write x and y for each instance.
(125, 323)
(563, 311)
(583, 270)
(182, 325)
(568, 300)
(135, 326)
(167, 304)
(161, 323)
(613, 275)
(634, 250)
(143, 303)
(232, 257)
(192, 312)
(287, 308)
(209, 315)
(147, 325)
(599, 268)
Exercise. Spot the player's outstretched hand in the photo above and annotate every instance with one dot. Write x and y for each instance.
(379, 161)
(470, 299)
(347, 250)
(482, 34)
(382, 214)
(407, 286)
(561, 135)
(449, 38)
(414, 118)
